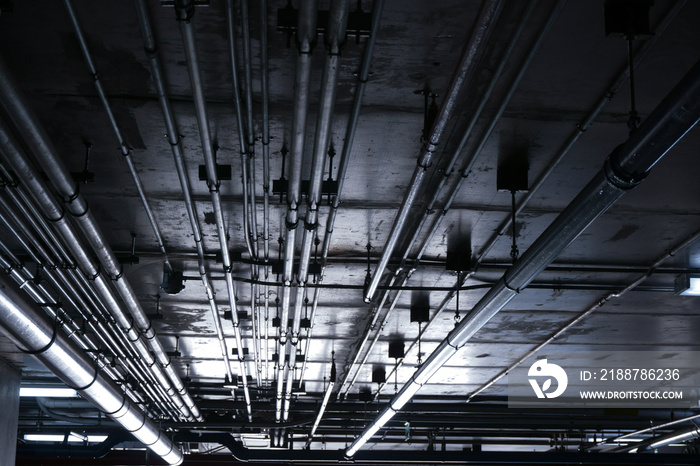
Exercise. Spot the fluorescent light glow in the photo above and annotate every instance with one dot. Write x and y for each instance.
(47, 392)
(59, 438)
(687, 285)
(675, 438)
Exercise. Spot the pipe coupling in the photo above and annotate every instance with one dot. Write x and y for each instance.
(617, 176)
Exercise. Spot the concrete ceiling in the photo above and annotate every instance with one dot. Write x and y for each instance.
(538, 106)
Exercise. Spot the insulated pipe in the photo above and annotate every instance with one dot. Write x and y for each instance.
(26, 324)
(35, 137)
(123, 146)
(335, 39)
(184, 11)
(486, 18)
(41, 256)
(56, 215)
(623, 170)
(306, 38)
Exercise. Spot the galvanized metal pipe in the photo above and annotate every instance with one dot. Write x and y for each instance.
(473, 154)
(335, 39)
(581, 127)
(26, 324)
(306, 38)
(615, 294)
(144, 339)
(187, 32)
(514, 41)
(247, 148)
(265, 141)
(362, 77)
(123, 146)
(487, 16)
(623, 170)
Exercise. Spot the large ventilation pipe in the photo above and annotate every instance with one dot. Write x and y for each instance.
(31, 329)
(487, 16)
(335, 39)
(123, 146)
(623, 170)
(185, 11)
(306, 39)
(34, 136)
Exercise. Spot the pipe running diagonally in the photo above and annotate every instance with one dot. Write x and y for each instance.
(488, 13)
(306, 40)
(581, 128)
(583, 315)
(623, 170)
(123, 146)
(42, 148)
(449, 168)
(469, 161)
(184, 12)
(334, 40)
(30, 328)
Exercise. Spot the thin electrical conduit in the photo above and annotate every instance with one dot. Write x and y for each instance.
(453, 160)
(41, 256)
(335, 39)
(471, 158)
(623, 170)
(306, 35)
(187, 31)
(488, 13)
(114, 335)
(583, 126)
(362, 77)
(125, 150)
(36, 138)
(265, 141)
(173, 135)
(245, 147)
(40, 295)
